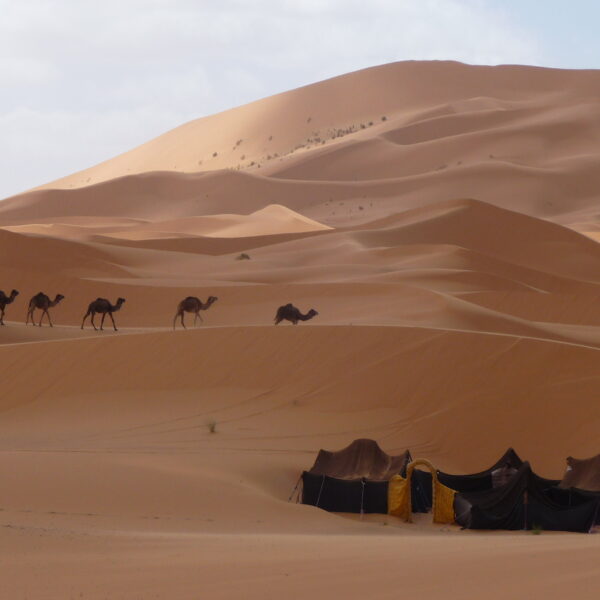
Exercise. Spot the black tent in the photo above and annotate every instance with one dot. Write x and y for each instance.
(421, 491)
(582, 473)
(354, 479)
(526, 501)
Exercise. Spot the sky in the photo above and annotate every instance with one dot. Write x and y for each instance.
(82, 81)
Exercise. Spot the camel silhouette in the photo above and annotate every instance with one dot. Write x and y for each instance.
(4, 301)
(104, 307)
(42, 302)
(194, 305)
(289, 312)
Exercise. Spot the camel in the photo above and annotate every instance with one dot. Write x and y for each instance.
(4, 300)
(194, 305)
(290, 313)
(42, 302)
(104, 307)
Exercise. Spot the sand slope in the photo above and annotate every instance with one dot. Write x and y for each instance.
(451, 251)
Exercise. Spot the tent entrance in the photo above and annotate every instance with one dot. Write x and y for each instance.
(400, 501)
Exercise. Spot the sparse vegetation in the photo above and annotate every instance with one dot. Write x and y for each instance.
(242, 256)
(536, 529)
(211, 425)
(384, 118)
(214, 154)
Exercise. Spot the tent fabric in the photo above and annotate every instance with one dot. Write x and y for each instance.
(422, 491)
(398, 493)
(443, 507)
(342, 495)
(524, 502)
(362, 459)
(354, 479)
(582, 473)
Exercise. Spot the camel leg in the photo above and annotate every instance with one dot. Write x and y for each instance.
(94, 324)
(113, 321)
(29, 314)
(102, 322)
(87, 314)
(2, 317)
(49, 319)
(182, 323)
(175, 320)
(198, 316)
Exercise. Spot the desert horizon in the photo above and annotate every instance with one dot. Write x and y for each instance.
(442, 223)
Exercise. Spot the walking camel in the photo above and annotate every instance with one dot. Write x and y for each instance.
(4, 300)
(194, 305)
(103, 307)
(42, 302)
(290, 313)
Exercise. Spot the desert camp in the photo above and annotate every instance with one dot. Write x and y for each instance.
(362, 478)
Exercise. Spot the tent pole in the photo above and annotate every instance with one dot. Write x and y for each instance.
(595, 517)
(320, 490)
(362, 499)
(295, 488)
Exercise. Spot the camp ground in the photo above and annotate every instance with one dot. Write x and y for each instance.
(362, 478)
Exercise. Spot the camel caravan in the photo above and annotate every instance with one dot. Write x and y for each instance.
(102, 306)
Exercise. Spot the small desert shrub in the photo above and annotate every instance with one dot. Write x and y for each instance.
(384, 118)
(211, 425)
(214, 154)
(370, 123)
(536, 529)
(242, 256)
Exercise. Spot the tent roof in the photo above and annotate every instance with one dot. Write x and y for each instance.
(507, 507)
(362, 459)
(582, 473)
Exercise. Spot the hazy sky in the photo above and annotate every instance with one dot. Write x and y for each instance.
(82, 81)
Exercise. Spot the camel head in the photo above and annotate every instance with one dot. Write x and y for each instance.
(312, 313)
(211, 299)
(58, 298)
(120, 301)
(14, 294)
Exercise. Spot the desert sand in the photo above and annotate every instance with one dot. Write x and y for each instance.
(443, 222)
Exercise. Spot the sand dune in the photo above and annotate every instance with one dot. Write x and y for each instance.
(444, 224)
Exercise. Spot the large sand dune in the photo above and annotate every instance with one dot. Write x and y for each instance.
(435, 220)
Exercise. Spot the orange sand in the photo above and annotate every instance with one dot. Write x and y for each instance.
(451, 251)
